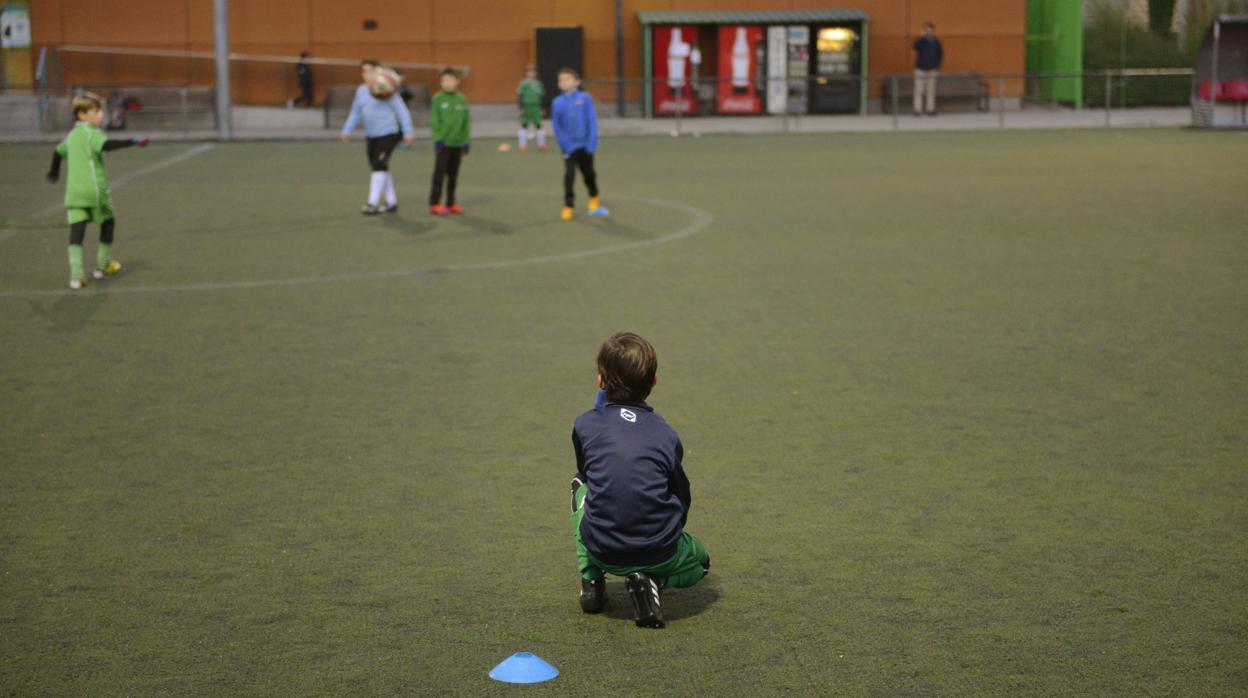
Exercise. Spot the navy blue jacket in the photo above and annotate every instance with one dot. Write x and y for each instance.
(927, 53)
(638, 496)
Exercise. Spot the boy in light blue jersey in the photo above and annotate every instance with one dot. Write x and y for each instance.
(384, 120)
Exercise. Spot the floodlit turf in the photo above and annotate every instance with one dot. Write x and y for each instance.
(963, 413)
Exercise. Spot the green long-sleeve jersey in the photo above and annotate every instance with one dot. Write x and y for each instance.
(86, 181)
(530, 94)
(449, 120)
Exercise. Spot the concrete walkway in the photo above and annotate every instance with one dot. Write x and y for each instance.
(1036, 118)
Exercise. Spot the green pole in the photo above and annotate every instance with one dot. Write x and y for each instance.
(647, 68)
(862, 83)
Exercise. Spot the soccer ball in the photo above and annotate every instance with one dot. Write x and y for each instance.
(384, 84)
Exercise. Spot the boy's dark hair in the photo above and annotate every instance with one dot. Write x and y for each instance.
(449, 71)
(929, 25)
(573, 73)
(370, 61)
(627, 364)
(85, 102)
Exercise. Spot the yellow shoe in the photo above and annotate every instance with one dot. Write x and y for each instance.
(566, 214)
(111, 270)
(594, 204)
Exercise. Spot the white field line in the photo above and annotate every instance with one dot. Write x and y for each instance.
(701, 220)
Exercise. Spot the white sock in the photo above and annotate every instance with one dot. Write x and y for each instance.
(524, 136)
(391, 197)
(376, 185)
(541, 137)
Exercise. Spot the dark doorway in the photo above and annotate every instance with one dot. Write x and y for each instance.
(559, 47)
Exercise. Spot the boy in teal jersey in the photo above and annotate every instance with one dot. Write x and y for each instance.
(530, 94)
(87, 195)
(450, 125)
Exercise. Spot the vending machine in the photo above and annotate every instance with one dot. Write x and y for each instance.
(740, 61)
(673, 47)
(777, 70)
(798, 50)
(835, 87)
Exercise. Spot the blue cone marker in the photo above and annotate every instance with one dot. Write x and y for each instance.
(523, 667)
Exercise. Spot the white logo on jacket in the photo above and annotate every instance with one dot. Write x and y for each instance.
(628, 415)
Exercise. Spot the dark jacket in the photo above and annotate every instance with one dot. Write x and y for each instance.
(304, 73)
(928, 53)
(638, 496)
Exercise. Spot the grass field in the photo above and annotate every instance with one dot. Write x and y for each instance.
(964, 413)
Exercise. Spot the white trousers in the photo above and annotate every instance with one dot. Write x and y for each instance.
(924, 91)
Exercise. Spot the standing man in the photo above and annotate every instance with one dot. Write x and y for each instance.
(927, 58)
(303, 72)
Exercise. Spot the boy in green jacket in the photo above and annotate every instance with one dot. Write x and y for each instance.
(449, 122)
(87, 195)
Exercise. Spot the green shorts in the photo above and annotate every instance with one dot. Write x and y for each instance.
(99, 214)
(683, 569)
(531, 116)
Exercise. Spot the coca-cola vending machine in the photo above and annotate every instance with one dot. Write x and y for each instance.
(672, 49)
(741, 66)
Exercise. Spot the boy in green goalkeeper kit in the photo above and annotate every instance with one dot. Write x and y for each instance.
(87, 195)
(530, 94)
(451, 129)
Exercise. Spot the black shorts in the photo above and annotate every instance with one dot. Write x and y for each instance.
(379, 150)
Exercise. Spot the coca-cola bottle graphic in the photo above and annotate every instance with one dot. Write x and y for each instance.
(677, 51)
(740, 64)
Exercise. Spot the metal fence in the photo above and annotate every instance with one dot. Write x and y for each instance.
(158, 90)
(173, 91)
(1094, 98)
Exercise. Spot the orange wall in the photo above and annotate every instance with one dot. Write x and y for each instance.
(494, 37)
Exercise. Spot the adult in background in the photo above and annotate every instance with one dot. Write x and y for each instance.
(928, 55)
(303, 72)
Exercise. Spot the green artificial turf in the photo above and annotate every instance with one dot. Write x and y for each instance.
(964, 413)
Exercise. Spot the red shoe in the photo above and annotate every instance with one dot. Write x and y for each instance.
(455, 208)
(543, 148)
(438, 210)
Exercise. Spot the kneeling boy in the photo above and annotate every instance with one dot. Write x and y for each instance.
(630, 496)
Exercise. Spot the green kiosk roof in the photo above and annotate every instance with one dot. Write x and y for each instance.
(846, 14)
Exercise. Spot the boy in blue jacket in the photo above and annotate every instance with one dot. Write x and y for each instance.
(386, 120)
(630, 496)
(575, 123)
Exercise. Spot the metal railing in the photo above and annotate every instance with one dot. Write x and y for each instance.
(173, 90)
(175, 93)
(1105, 97)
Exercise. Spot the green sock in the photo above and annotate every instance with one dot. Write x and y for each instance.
(101, 257)
(75, 261)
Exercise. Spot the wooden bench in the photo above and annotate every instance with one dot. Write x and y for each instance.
(962, 89)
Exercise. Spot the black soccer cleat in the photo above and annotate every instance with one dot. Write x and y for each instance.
(370, 210)
(593, 594)
(390, 208)
(644, 591)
